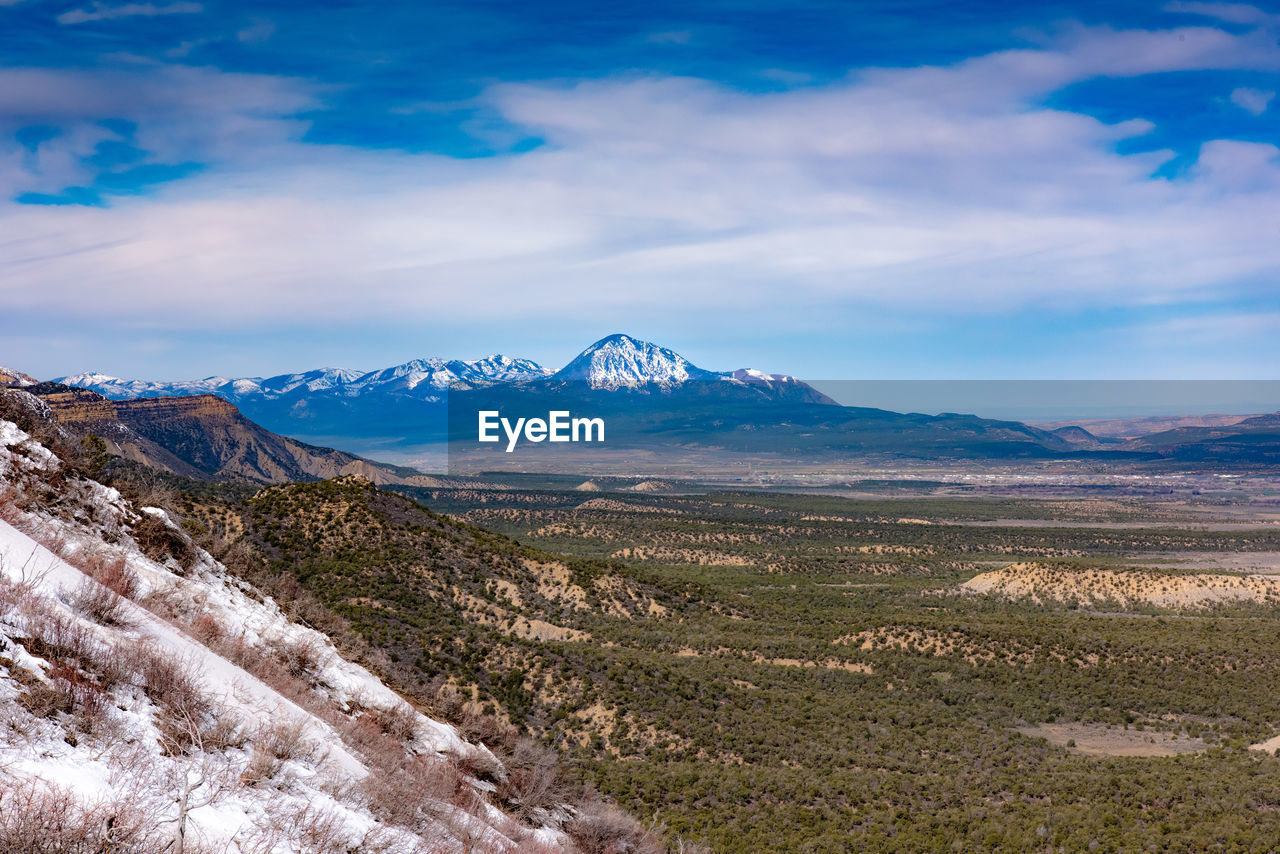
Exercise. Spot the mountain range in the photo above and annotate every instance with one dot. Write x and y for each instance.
(613, 363)
(656, 402)
(408, 405)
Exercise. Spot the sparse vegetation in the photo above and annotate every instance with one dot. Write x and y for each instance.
(760, 672)
(822, 683)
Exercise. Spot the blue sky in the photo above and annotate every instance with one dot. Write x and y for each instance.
(836, 190)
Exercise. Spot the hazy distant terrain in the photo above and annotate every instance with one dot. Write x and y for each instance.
(1128, 428)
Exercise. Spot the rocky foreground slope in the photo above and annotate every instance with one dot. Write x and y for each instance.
(150, 701)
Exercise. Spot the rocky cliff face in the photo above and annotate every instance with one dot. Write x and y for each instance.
(79, 408)
(204, 436)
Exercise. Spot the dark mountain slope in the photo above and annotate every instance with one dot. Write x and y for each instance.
(203, 437)
(445, 600)
(1254, 440)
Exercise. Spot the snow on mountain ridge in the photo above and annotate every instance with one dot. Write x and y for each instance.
(613, 363)
(431, 374)
(620, 361)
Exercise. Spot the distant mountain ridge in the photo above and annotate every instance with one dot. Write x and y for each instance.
(658, 402)
(408, 404)
(613, 363)
(425, 377)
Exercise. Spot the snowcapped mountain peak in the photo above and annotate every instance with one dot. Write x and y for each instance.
(500, 368)
(89, 378)
(615, 362)
(321, 379)
(437, 374)
(620, 361)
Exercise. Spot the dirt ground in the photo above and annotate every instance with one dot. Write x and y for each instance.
(1103, 740)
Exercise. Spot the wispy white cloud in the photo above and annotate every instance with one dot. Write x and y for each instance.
(947, 189)
(257, 32)
(1254, 101)
(1232, 13)
(104, 12)
(182, 114)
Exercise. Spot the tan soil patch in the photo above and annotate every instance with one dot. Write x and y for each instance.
(757, 658)
(555, 582)
(489, 614)
(621, 506)
(701, 557)
(1103, 740)
(1040, 584)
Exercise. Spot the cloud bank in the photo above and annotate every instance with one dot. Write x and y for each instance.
(938, 190)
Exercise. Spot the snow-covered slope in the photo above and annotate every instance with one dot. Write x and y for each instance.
(620, 361)
(116, 388)
(113, 706)
(777, 386)
(322, 379)
(8, 376)
(437, 375)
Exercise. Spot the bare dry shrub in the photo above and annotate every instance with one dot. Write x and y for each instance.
(100, 604)
(166, 679)
(316, 830)
(112, 572)
(47, 699)
(274, 744)
(15, 596)
(411, 794)
(285, 740)
(533, 780)
(399, 721)
(208, 629)
(487, 729)
(223, 730)
(363, 735)
(185, 710)
(53, 635)
(38, 818)
(600, 828)
(301, 657)
(160, 542)
(114, 666)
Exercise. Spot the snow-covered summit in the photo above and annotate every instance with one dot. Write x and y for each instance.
(438, 374)
(116, 388)
(321, 379)
(620, 361)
